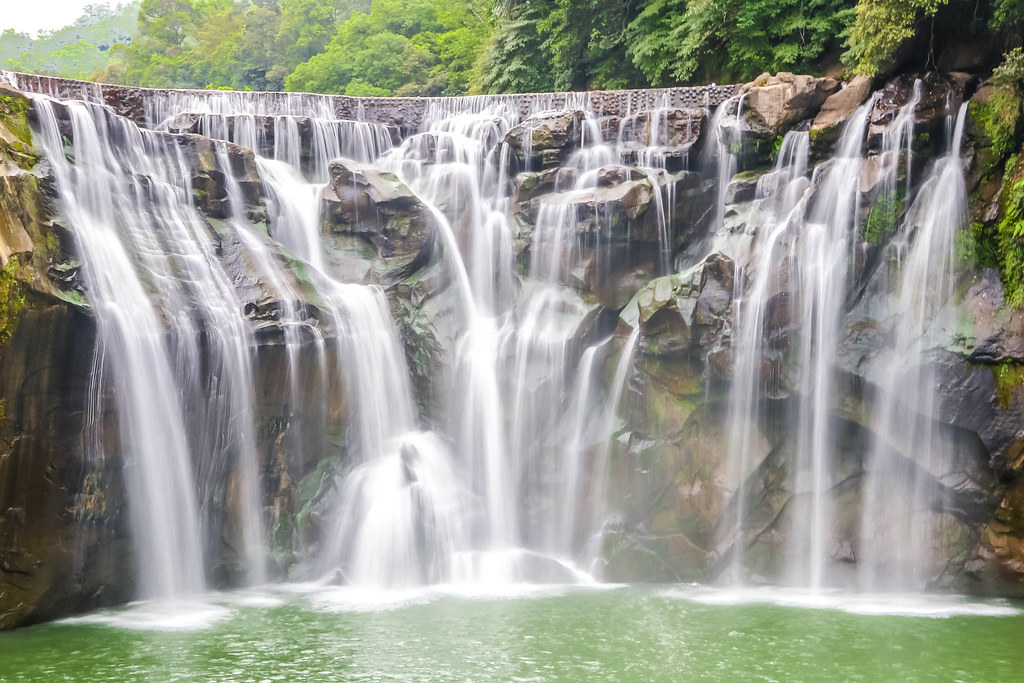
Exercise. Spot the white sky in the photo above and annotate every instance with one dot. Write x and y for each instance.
(29, 16)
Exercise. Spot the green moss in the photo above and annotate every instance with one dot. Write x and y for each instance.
(301, 271)
(12, 300)
(776, 148)
(884, 218)
(752, 174)
(825, 139)
(1010, 232)
(977, 246)
(1009, 378)
(281, 542)
(999, 118)
(922, 143)
(14, 115)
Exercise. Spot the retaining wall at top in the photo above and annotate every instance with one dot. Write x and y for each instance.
(406, 113)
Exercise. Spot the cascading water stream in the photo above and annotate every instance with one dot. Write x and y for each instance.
(513, 358)
(897, 528)
(781, 194)
(158, 293)
(821, 255)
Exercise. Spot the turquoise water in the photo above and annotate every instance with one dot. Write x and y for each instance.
(611, 634)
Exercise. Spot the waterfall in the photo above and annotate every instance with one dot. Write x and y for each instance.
(165, 312)
(897, 528)
(821, 255)
(781, 193)
(207, 241)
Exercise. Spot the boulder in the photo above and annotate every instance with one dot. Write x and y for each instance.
(536, 183)
(616, 175)
(366, 208)
(777, 103)
(689, 310)
(836, 109)
(663, 127)
(546, 137)
(741, 189)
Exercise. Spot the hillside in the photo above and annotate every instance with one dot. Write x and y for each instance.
(76, 51)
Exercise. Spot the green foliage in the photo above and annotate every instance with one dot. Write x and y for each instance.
(977, 246)
(881, 29)
(75, 51)
(1009, 378)
(1010, 233)
(999, 113)
(651, 41)
(1008, 18)
(234, 44)
(618, 43)
(999, 118)
(14, 117)
(1011, 70)
(405, 47)
(884, 218)
(516, 58)
(587, 42)
(736, 39)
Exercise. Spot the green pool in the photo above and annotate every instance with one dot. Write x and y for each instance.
(302, 633)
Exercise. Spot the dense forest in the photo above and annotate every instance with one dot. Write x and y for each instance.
(439, 47)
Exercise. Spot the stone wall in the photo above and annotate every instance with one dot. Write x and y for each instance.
(404, 112)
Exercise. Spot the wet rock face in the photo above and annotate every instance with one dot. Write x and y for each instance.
(615, 228)
(63, 546)
(545, 140)
(671, 135)
(669, 465)
(64, 539)
(64, 523)
(367, 208)
(209, 182)
(685, 315)
(663, 127)
(940, 94)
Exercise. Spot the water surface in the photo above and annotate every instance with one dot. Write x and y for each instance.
(609, 634)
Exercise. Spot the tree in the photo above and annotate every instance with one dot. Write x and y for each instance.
(652, 41)
(515, 57)
(256, 56)
(729, 40)
(882, 27)
(587, 41)
(421, 47)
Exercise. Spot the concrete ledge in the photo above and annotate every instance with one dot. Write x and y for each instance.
(142, 105)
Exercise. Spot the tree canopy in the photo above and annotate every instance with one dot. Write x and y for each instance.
(445, 47)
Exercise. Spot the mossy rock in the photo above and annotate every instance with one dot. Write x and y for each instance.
(12, 299)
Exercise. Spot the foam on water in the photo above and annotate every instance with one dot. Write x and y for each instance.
(909, 605)
(160, 615)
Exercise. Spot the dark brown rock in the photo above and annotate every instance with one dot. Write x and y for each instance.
(376, 209)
